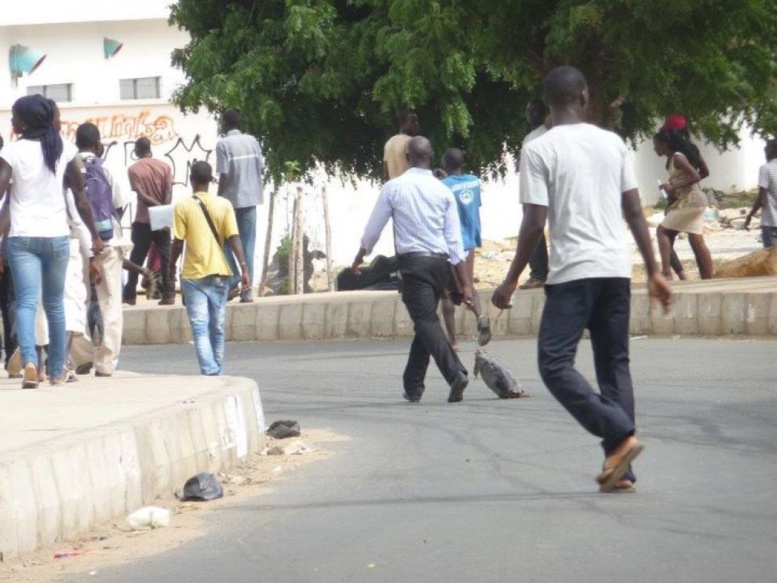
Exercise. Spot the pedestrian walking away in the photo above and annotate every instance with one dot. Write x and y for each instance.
(205, 223)
(466, 191)
(767, 197)
(152, 181)
(578, 165)
(427, 236)
(41, 166)
(240, 164)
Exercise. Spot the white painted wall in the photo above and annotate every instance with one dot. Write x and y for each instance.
(60, 11)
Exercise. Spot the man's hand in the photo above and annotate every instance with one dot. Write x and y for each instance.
(503, 295)
(245, 280)
(747, 222)
(357, 262)
(660, 292)
(467, 294)
(97, 245)
(94, 272)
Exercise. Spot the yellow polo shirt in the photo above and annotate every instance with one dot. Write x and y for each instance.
(203, 256)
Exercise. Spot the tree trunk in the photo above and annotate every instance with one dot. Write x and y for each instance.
(299, 260)
(328, 236)
(267, 243)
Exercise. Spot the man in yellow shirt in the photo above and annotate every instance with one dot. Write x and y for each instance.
(204, 222)
(395, 150)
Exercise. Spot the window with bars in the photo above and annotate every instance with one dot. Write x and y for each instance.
(140, 88)
(59, 92)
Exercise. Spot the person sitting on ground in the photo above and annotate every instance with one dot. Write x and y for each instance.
(466, 191)
(767, 197)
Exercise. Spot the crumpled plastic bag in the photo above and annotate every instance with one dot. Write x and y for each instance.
(203, 486)
(283, 429)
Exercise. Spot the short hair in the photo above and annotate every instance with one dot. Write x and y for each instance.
(771, 145)
(403, 114)
(87, 136)
(563, 86)
(453, 159)
(201, 173)
(230, 118)
(537, 102)
(143, 145)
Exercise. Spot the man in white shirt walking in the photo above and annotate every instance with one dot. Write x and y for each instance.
(578, 176)
(427, 236)
(767, 197)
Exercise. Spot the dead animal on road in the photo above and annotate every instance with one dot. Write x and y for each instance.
(497, 377)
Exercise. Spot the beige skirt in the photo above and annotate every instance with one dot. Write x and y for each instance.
(685, 220)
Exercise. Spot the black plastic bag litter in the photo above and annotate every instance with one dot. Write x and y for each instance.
(283, 429)
(203, 486)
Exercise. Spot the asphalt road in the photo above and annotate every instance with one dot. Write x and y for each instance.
(489, 490)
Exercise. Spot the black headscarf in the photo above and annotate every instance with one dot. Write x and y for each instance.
(37, 116)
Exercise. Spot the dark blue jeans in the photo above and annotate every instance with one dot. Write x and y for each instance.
(602, 305)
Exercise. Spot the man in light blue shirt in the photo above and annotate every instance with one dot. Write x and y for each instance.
(427, 237)
(239, 164)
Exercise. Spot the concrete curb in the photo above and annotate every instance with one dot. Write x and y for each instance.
(709, 308)
(62, 487)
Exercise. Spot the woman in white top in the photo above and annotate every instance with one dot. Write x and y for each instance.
(41, 166)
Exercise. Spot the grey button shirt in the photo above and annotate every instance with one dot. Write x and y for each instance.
(239, 156)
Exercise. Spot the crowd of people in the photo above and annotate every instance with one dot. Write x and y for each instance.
(64, 253)
(577, 178)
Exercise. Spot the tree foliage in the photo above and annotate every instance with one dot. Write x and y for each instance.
(320, 81)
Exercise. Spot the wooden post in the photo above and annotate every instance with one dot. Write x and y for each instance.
(328, 236)
(291, 283)
(267, 243)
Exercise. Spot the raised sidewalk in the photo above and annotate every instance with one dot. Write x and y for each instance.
(72, 457)
(718, 307)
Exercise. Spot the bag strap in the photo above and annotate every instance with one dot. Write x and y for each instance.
(209, 220)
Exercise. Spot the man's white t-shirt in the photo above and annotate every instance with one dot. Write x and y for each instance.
(37, 194)
(579, 172)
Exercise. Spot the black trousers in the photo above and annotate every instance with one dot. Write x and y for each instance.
(423, 282)
(142, 237)
(602, 305)
(539, 261)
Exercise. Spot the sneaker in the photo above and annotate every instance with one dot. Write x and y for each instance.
(30, 378)
(532, 283)
(484, 330)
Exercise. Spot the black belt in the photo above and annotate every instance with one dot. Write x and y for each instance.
(422, 254)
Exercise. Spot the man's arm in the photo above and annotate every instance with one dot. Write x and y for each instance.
(168, 197)
(378, 219)
(75, 181)
(757, 204)
(175, 252)
(5, 177)
(658, 288)
(532, 227)
(237, 248)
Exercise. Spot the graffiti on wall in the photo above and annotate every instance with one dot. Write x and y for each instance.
(158, 129)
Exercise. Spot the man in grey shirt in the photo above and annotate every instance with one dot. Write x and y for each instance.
(239, 163)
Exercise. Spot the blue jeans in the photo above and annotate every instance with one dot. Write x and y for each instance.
(602, 306)
(246, 228)
(206, 306)
(768, 236)
(40, 262)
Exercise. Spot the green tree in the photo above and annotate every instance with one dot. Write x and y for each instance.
(320, 81)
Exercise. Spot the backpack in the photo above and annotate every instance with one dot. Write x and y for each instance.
(100, 195)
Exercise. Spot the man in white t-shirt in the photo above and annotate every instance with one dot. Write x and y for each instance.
(578, 177)
(767, 197)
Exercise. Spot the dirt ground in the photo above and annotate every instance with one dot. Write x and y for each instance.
(114, 543)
